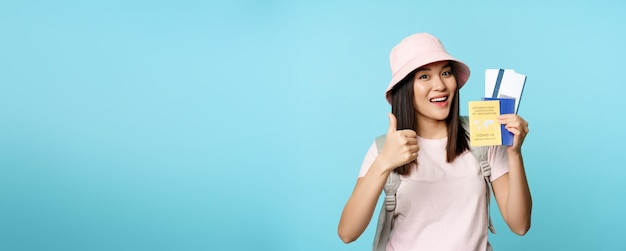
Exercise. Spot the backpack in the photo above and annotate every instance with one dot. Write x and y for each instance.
(383, 231)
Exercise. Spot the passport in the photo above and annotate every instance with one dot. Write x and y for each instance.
(485, 130)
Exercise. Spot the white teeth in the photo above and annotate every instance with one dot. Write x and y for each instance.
(439, 99)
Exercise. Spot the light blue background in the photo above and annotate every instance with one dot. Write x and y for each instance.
(241, 125)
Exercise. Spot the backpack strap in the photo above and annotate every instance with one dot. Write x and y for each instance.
(383, 231)
(481, 153)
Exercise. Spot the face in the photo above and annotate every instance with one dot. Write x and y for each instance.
(434, 88)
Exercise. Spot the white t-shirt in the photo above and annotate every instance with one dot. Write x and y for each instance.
(440, 205)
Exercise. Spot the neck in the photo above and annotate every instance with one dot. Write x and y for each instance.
(432, 129)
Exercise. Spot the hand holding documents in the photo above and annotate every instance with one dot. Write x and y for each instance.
(503, 92)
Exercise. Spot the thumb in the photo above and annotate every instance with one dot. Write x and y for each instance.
(392, 123)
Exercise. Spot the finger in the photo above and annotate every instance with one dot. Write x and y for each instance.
(411, 141)
(413, 156)
(519, 125)
(408, 133)
(414, 149)
(513, 130)
(509, 118)
(506, 118)
(392, 123)
(523, 127)
(523, 122)
(514, 124)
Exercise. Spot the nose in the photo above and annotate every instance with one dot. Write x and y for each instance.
(438, 84)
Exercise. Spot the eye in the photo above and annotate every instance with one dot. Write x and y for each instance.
(423, 76)
(446, 73)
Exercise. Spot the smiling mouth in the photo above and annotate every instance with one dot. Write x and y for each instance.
(438, 100)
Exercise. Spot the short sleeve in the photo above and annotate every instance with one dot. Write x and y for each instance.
(370, 156)
(499, 161)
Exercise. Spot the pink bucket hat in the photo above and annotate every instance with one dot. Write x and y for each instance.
(416, 51)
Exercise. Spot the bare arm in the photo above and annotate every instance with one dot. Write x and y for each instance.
(361, 205)
(400, 148)
(511, 190)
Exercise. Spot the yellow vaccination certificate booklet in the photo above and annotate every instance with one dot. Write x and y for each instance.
(483, 123)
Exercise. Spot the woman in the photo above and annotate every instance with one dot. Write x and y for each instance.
(441, 199)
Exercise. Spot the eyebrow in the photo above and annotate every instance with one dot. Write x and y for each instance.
(428, 69)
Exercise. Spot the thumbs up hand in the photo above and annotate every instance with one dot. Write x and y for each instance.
(400, 145)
